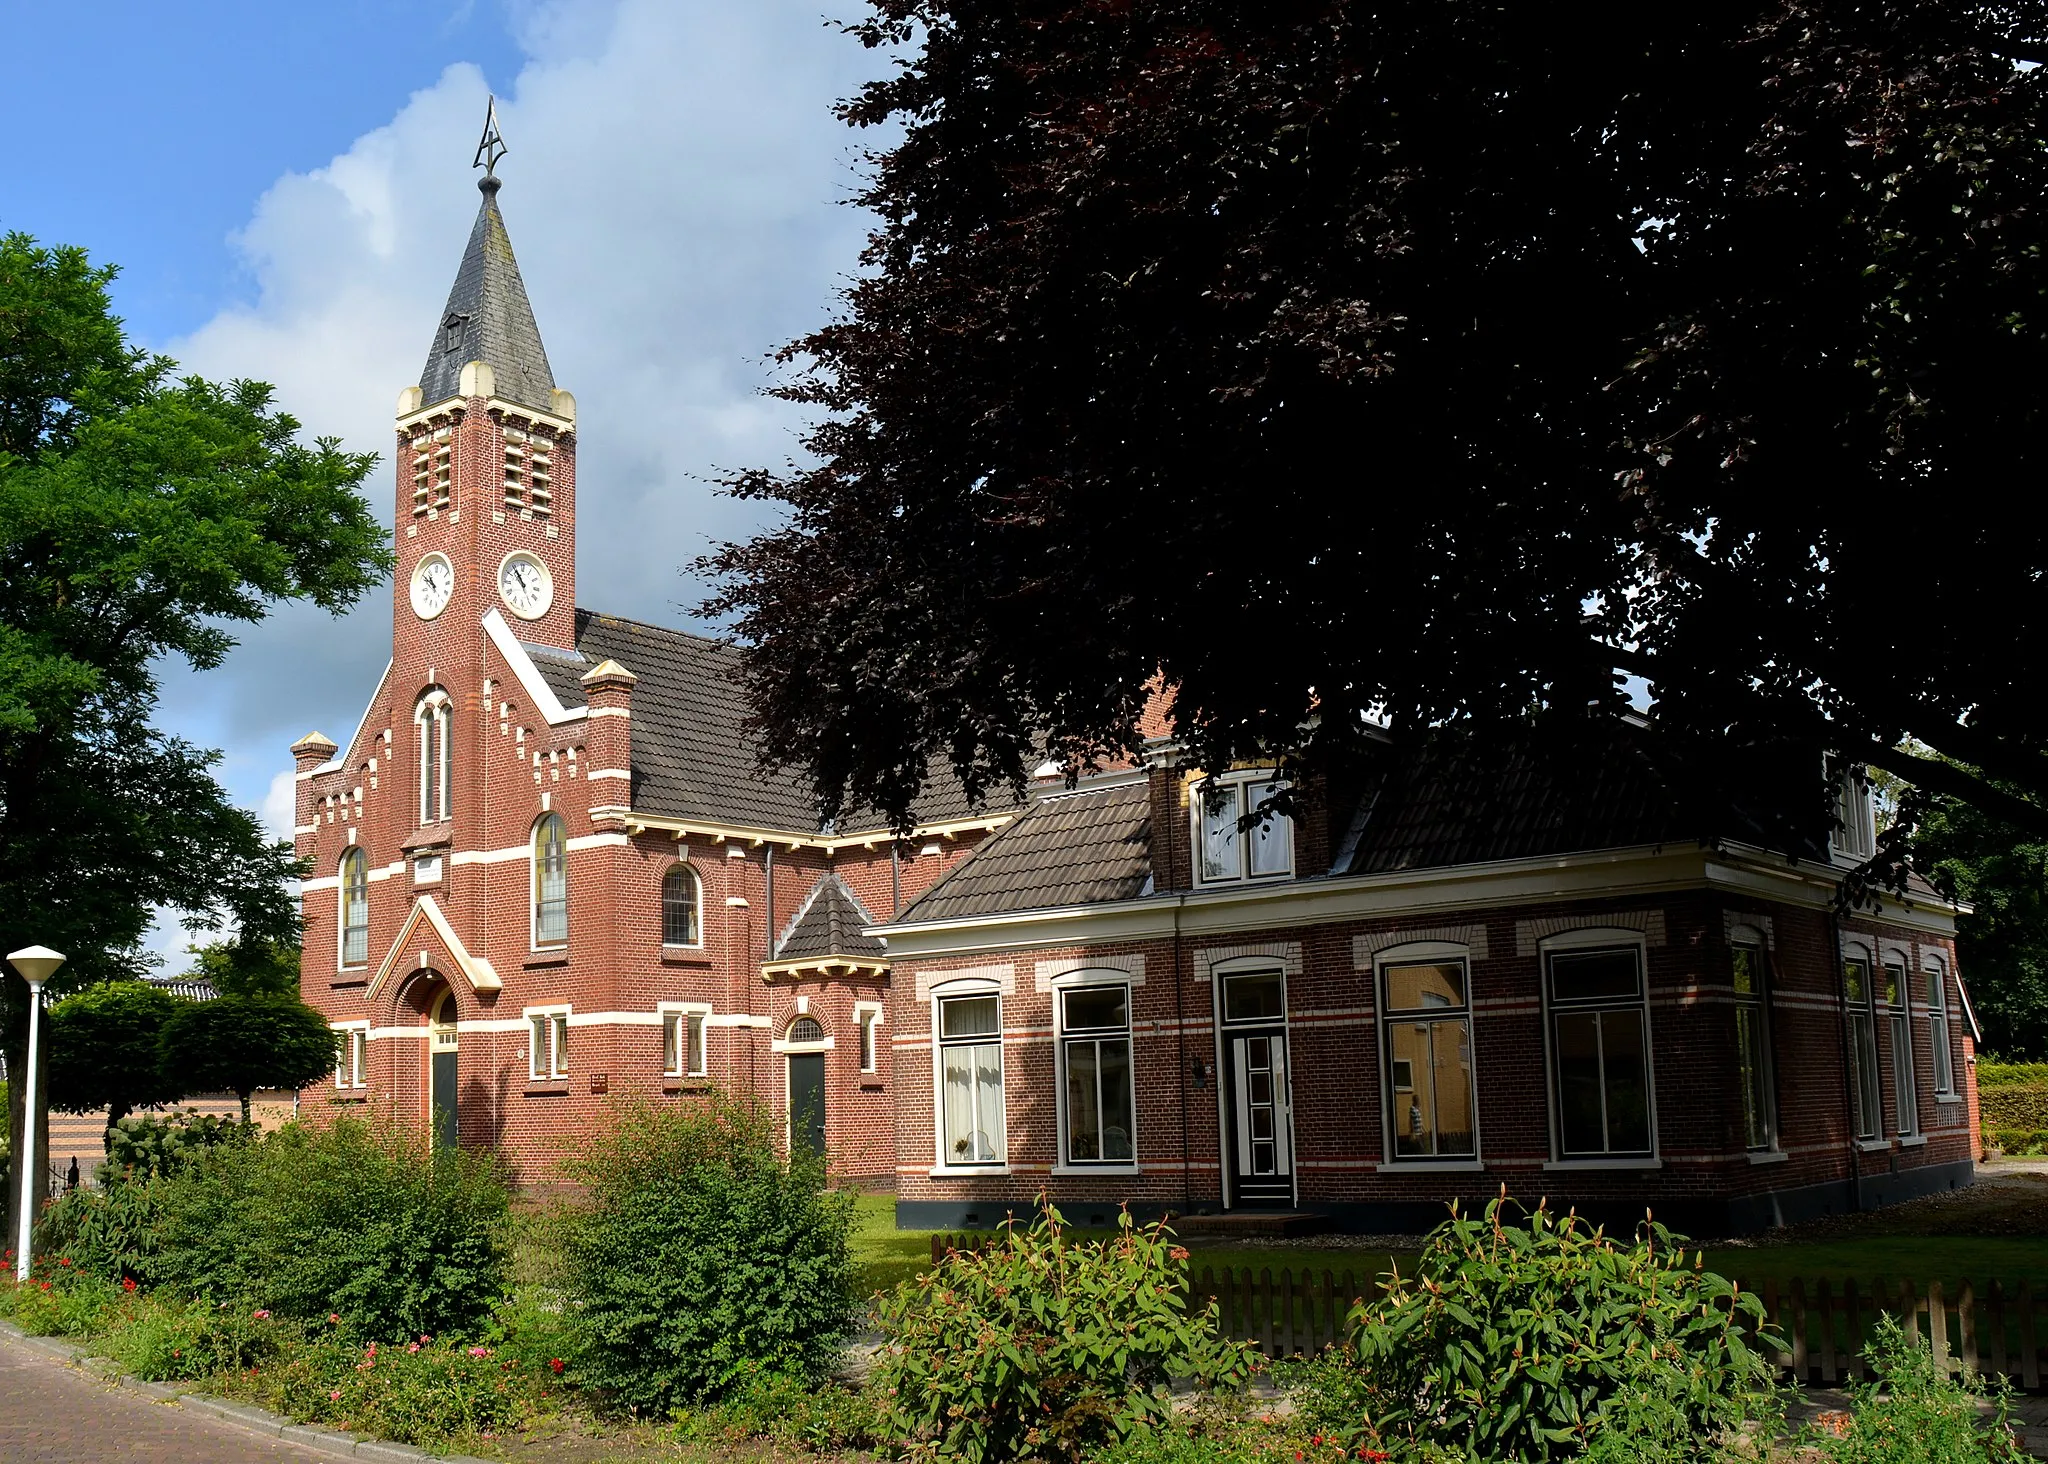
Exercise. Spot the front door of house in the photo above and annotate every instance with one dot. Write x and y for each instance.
(1259, 1145)
(442, 1072)
(807, 1101)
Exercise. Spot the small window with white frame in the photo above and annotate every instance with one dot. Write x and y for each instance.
(352, 1057)
(1599, 1038)
(547, 1043)
(682, 1041)
(1096, 1092)
(1939, 1035)
(867, 1021)
(970, 1075)
(1855, 835)
(1226, 850)
(1753, 1042)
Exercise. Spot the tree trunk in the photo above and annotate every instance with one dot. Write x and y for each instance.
(244, 1096)
(115, 1114)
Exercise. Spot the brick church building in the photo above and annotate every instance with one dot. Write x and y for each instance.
(546, 871)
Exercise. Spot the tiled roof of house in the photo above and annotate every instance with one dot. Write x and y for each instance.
(828, 923)
(1071, 849)
(692, 754)
(488, 318)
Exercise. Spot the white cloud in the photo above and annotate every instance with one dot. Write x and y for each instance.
(280, 805)
(675, 193)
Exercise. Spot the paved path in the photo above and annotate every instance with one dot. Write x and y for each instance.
(53, 1414)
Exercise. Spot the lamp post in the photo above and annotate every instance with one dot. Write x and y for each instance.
(37, 964)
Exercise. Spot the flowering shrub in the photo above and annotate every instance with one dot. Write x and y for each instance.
(1548, 1339)
(59, 1299)
(1044, 1346)
(172, 1341)
(796, 1411)
(424, 1391)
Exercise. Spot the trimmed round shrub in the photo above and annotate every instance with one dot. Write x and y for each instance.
(698, 1255)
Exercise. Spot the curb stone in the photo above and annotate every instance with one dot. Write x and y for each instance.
(241, 1415)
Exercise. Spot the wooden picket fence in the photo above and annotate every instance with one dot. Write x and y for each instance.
(1826, 1326)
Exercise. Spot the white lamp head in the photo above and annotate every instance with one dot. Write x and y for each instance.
(37, 964)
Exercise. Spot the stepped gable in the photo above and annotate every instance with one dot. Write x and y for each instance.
(693, 757)
(829, 923)
(1077, 848)
(489, 319)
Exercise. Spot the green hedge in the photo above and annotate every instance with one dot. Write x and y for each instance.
(2012, 1101)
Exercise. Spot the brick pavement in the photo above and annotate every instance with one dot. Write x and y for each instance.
(53, 1414)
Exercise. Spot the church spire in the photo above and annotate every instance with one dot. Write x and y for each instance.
(488, 317)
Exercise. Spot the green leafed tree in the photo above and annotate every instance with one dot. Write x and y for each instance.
(2002, 873)
(104, 1044)
(239, 1044)
(1434, 360)
(143, 516)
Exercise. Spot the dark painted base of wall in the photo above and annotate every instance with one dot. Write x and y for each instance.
(1737, 1215)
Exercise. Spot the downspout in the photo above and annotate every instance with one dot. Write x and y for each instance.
(768, 898)
(895, 878)
(1180, 1014)
(1848, 1073)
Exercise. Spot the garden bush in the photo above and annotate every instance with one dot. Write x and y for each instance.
(1548, 1339)
(353, 1218)
(110, 1234)
(795, 1411)
(175, 1341)
(2013, 1100)
(1913, 1413)
(1045, 1346)
(697, 1254)
(58, 1300)
(426, 1391)
(159, 1143)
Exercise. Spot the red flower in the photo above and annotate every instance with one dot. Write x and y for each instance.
(555, 1364)
(65, 1261)
(127, 1283)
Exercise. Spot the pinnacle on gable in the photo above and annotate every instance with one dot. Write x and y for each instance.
(313, 742)
(607, 670)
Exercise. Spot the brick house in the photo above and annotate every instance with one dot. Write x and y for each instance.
(544, 869)
(546, 872)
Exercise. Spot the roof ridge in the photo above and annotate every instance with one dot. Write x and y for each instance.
(690, 635)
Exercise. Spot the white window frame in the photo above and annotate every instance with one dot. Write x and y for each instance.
(353, 853)
(1082, 980)
(434, 715)
(940, 995)
(1745, 937)
(554, 1022)
(685, 1031)
(1422, 953)
(867, 1023)
(1854, 837)
(533, 902)
(1940, 1029)
(1863, 1045)
(696, 878)
(1898, 1032)
(1577, 942)
(352, 1057)
(1239, 783)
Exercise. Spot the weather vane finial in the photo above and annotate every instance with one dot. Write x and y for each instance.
(492, 147)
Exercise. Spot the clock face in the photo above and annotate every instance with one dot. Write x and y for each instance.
(433, 581)
(525, 585)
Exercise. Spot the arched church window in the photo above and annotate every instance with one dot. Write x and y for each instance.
(435, 718)
(550, 881)
(354, 885)
(679, 905)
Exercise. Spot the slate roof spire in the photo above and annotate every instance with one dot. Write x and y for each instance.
(488, 317)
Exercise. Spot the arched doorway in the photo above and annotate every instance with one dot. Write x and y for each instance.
(806, 1045)
(442, 1074)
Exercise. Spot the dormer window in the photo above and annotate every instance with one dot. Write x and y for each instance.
(452, 332)
(1855, 835)
(1226, 850)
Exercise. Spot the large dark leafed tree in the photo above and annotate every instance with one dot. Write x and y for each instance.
(140, 517)
(1438, 357)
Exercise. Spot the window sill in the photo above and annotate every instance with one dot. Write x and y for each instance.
(1768, 1156)
(873, 1085)
(1078, 1170)
(348, 1098)
(1873, 1146)
(679, 955)
(969, 1171)
(699, 1083)
(541, 1087)
(1430, 1166)
(541, 960)
(1619, 1165)
(1948, 1098)
(346, 979)
(1912, 1141)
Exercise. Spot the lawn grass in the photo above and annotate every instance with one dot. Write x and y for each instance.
(888, 1255)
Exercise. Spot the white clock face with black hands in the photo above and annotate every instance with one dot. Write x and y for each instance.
(525, 585)
(433, 581)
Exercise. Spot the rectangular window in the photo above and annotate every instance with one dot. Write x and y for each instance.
(1862, 1048)
(1753, 1048)
(682, 1044)
(1095, 1053)
(1855, 834)
(866, 1028)
(1229, 851)
(351, 1058)
(1938, 1032)
(1898, 1017)
(971, 1080)
(1427, 1026)
(548, 1046)
(1599, 1052)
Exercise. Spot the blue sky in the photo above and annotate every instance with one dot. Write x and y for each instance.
(287, 190)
